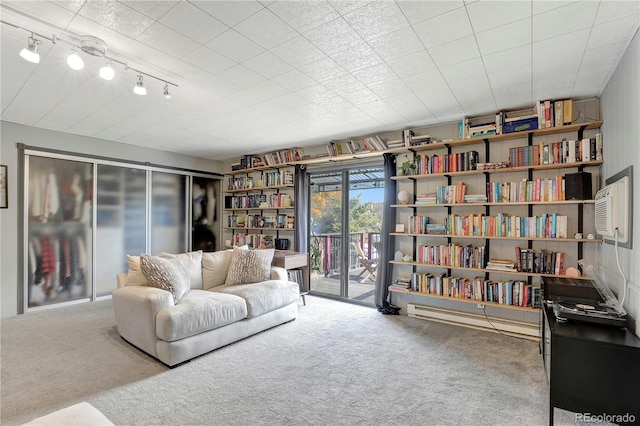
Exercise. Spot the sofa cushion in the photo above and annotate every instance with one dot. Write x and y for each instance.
(263, 297)
(192, 262)
(135, 277)
(199, 311)
(249, 266)
(166, 273)
(214, 268)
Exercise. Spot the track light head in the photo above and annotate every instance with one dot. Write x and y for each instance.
(139, 88)
(166, 91)
(30, 53)
(75, 61)
(107, 72)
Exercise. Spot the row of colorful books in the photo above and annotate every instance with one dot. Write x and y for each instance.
(452, 255)
(282, 156)
(547, 225)
(256, 241)
(426, 164)
(551, 189)
(280, 221)
(267, 179)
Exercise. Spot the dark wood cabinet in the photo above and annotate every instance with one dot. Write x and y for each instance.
(592, 369)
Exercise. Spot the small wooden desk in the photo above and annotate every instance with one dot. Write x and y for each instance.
(289, 259)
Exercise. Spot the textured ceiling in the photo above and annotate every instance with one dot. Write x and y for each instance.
(260, 75)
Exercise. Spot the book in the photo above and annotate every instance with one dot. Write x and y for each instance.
(559, 113)
(567, 111)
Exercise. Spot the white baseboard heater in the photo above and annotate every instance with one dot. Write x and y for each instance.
(510, 327)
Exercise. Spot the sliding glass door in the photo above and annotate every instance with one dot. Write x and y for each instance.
(345, 220)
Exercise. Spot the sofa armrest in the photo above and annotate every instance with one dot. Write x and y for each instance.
(121, 280)
(135, 310)
(278, 273)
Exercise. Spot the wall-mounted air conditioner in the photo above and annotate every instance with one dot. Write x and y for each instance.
(612, 209)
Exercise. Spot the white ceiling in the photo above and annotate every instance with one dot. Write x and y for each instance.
(255, 76)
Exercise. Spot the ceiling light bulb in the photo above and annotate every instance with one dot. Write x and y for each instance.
(30, 53)
(75, 61)
(166, 91)
(139, 88)
(107, 72)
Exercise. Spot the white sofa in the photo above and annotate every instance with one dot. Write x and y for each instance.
(208, 316)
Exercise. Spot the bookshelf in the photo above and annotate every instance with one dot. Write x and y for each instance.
(258, 207)
(497, 164)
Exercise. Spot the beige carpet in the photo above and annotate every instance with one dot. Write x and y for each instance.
(336, 364)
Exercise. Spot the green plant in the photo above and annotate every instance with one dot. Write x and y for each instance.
(407, 166)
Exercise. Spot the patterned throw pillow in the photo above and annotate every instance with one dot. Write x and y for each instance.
(247, 267)
(165, 273)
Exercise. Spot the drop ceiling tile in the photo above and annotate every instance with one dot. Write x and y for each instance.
(229, 13)
(153, 9)
(208, 60)
(444, 28)
(235, 46)
(298, 52)
(389, 88)
(566, 45)
(518, 57)
(291, 100)
(465, 49)
(441, 102)
(471, 89)
(60, 118)
(311, 110)
(418, 11)
(511, 76)
(242, 76)
(543, 6)
(266, 29)
(505, 37)
(360, 96)
(193, 22)
(117, 43)
(315, 92)
(304, 15)
(267, 65)
(464, 70)
(397, 44)
(514, 97)
(55, 14)
(377, 19)
(485, 15)
(344, 83)
(346, 6)
(412, 64)
(556, 22)
(334, 103)
(431, 78)
(357, 57)
(169, 41)
(72, 5)
(294, 80)
(612, 32)
(334, 36)
(375, 74)
(613, 10)
(117, 16)
(323, 69)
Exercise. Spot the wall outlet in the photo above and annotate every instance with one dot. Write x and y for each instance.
(480, 306)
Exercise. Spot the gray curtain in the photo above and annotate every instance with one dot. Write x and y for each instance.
(387, 248)
(301, 201)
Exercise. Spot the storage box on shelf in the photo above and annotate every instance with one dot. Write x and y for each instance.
(527, 205)
(259, 206)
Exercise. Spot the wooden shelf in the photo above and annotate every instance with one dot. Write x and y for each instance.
(257, 229)
(484, 237)
(259, 169)
(473, 301)
(513, 203)
(256, 188)
(493, 271)
(554, 166)
(257, 208)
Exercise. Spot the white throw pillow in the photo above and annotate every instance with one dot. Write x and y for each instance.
(249, 267)
(192, 262)
(215, 266)
(135, 276)
(166, 273)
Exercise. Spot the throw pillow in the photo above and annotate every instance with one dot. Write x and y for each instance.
(192, 262)
(247, 267)
(135, 276)
(165, 273)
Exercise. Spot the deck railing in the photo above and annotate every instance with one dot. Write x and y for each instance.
(326, 250)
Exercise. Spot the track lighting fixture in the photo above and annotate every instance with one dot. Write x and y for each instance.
(139, 88)
(75, 61)
(89, 45)
(30, 53)
(107, 72)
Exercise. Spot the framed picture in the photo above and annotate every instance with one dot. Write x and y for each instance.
(4, 199)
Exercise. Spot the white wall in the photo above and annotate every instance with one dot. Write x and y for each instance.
(10, 134)
(620, 107)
